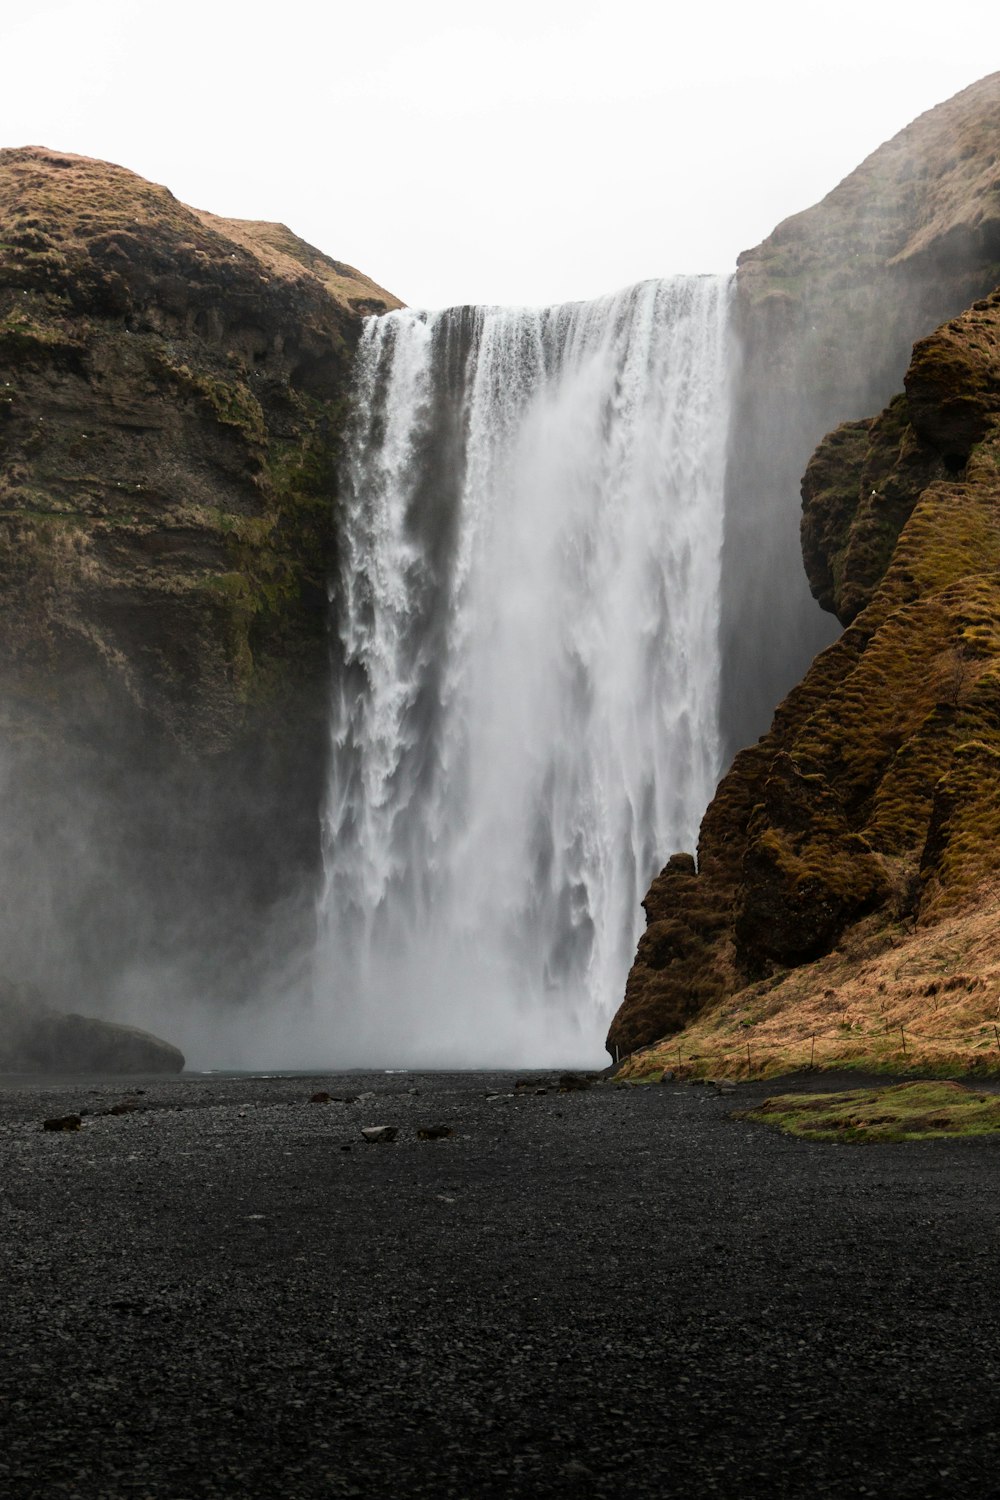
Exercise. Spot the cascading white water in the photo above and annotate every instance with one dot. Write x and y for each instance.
(525, 716)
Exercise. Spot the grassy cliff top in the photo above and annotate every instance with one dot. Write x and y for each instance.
(78, 205)
(285, 254)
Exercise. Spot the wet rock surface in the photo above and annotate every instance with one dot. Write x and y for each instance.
(615, 1291)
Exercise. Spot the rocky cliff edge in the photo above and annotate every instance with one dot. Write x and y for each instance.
(846, 895)
(173, 390)
(828, 308)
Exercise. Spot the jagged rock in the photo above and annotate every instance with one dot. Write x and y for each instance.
(827, 309)
(380, 1134)
(675, 973)
(573, 1083)
(806, 872)
(168, 447)
(875, 795)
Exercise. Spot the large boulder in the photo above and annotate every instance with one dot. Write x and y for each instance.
(35, 1038)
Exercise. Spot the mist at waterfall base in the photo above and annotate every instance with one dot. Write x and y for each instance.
(524, 725)
(525, 700)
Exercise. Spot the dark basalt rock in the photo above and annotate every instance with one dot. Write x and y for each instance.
(876, 794)
(35, 1038)
(173, 391)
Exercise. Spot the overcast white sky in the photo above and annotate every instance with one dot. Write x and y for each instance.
(534, 151)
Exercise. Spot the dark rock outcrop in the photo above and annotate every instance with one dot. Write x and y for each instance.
(35, 1038)
(172, 388)
(827, 309)
(172, 398)
(876, 794)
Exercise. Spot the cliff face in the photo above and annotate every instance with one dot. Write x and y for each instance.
(870, 814)
(170, 387)
(828, 308)
(852, 820)
(172, 392)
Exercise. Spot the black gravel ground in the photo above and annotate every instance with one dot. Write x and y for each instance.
(617, 1292)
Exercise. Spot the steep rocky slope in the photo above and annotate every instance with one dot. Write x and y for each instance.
(172, 392)
(871, 811)
(828, 308)
(171, 386)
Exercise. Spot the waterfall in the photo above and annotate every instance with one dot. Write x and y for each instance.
(525, 706)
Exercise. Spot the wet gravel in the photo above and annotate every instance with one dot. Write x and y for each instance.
(615, 1292)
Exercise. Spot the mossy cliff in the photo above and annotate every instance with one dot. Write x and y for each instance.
(172, 394)
(871, 811)
(827, 310)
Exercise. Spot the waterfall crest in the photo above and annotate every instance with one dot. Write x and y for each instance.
(525, 706)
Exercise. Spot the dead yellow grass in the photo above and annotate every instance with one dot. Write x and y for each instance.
(287, 256)
(923, 999)
(54, 203)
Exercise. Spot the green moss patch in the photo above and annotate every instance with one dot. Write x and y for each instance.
(904, 1112)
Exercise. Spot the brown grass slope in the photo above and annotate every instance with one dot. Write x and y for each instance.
(870, 814)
